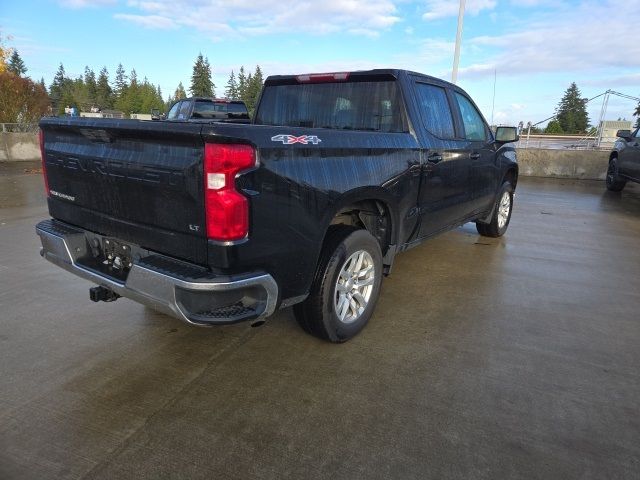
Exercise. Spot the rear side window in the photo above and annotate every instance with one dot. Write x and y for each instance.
(474, 126)
(236, 108)
(218, 110)
(209, 109)
(435, 109)
(371, 106)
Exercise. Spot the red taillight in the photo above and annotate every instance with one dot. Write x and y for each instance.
(323, 77)
(226, 210)
(44, 163)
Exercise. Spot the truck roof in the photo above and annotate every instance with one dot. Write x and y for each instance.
(357, 75)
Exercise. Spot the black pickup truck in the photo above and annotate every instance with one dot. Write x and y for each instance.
(216, 223)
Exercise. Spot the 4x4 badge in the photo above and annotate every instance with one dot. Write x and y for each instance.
(291, 139)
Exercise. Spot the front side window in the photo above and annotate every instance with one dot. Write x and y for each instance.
(474, 126)
(173, 113)
(435, 110)
(183, 114)
(371, 106)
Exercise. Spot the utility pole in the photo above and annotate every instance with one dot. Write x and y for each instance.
(456, 55)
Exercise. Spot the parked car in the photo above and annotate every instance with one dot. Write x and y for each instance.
(208, 109)
(217, 223)
(624, 160)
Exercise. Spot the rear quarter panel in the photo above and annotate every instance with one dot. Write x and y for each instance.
(298, 188)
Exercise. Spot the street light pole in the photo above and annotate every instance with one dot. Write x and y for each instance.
(456, 55)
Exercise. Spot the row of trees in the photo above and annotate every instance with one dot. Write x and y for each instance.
(245, 86)
(87, 92)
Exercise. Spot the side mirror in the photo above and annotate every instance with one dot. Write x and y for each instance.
(507, 134)
(626, 134)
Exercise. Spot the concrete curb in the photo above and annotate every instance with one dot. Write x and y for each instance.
(578, 164)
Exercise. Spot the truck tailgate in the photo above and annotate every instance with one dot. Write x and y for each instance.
(141, 182)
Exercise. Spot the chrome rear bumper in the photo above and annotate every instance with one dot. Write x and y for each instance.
(182, 290)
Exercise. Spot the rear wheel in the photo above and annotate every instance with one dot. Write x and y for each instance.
(614, 182)
(501, 214)
(346, 286)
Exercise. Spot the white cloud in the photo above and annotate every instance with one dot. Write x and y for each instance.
(449, 8)
(630, 80)
(219, 18)
(86, 3)
(148, 21)
(588, 38)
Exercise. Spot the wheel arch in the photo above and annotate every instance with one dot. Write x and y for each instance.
(370, 208)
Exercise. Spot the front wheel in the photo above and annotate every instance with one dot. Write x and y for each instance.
(346, 285)
(614, 183)
(501, 214)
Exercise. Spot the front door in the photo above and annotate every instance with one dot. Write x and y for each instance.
(479, 147)
(629, 161)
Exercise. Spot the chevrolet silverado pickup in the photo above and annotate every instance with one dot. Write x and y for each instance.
(624, 160)
(307, 206)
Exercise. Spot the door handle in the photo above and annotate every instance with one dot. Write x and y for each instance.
(434, 158)
(474, 156)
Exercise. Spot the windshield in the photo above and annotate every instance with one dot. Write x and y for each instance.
(370, 106)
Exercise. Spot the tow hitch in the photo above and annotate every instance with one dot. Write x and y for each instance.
(102, 294)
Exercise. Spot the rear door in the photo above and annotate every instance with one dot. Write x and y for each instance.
(444, 193)
(629, 161)
(479, 149)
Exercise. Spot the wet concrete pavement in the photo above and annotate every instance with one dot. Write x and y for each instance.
(509, 358)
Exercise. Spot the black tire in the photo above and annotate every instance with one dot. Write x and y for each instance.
(317, 315)
(614, 182)
(498, 226)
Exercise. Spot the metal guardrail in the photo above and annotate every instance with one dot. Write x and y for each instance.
(19, 127)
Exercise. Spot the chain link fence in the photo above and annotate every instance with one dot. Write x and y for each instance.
(19, 127)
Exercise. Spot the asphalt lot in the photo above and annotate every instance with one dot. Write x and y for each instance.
(510, 358)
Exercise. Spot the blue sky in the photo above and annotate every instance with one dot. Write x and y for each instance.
(536, 47)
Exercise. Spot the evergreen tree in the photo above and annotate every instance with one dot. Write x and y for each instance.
(571, 112)
(16, 65)
(242, 83)
(133, 78)
(79, 96)
(91, 85)
(253, 89)
(42, 84)
(180, 93)
(231, 92)
(120, 84)
(56, 89)
(104, 94)
(637, 114)
(201, 84)
(553, 127)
